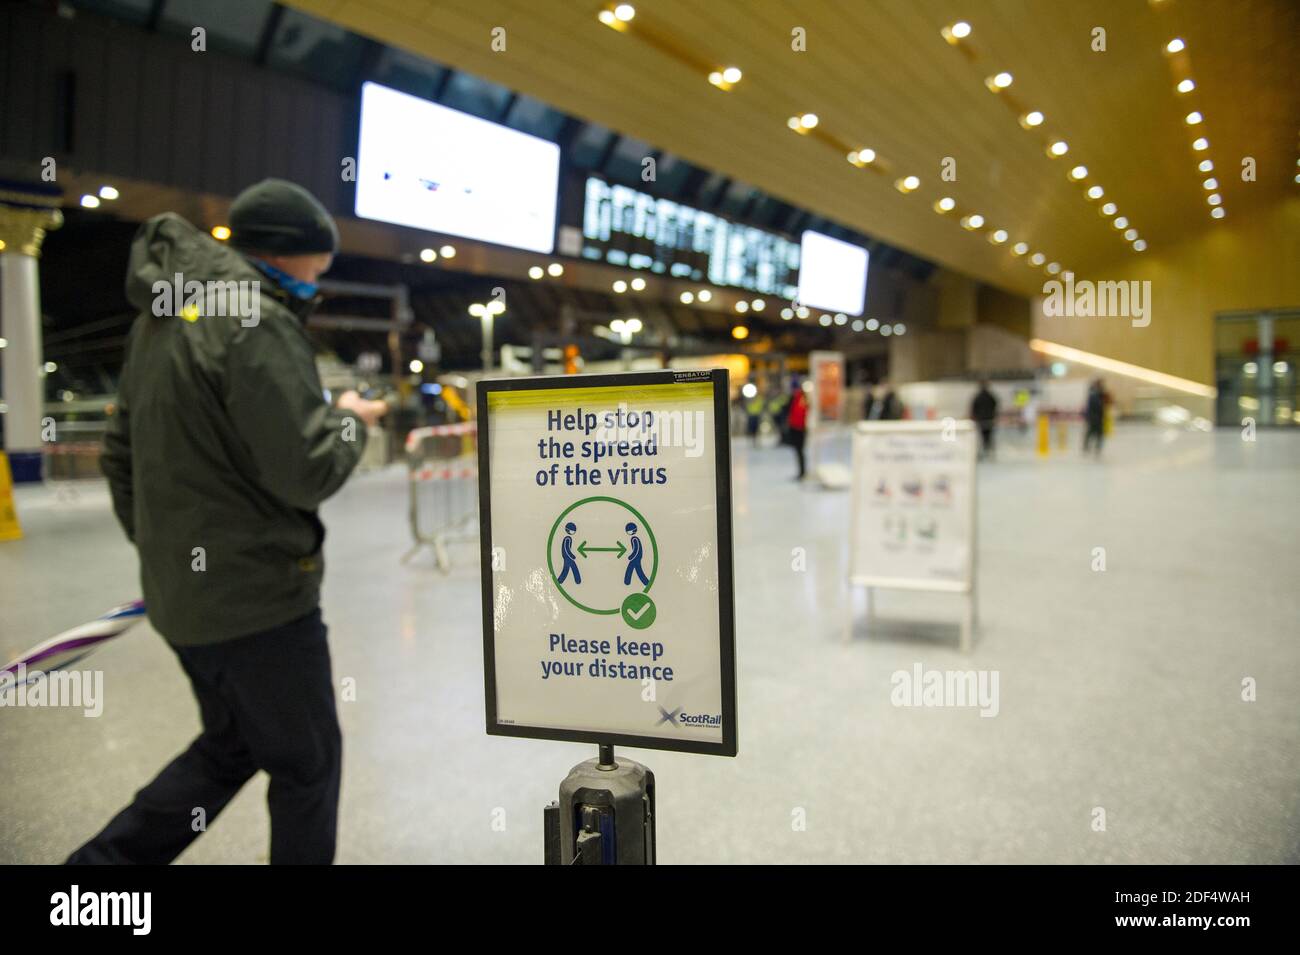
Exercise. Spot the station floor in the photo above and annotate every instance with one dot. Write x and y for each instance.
(1119, 689)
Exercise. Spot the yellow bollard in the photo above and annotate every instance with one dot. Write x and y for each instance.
(1044, 436)
(1062, 435)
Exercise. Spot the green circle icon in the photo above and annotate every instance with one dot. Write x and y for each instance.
(638, 611)
(654, 566)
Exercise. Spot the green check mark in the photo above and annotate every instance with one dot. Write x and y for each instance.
(638, 611)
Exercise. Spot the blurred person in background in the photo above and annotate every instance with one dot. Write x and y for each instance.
(796, 423)
(984, 412)
(220, 449)
(1094, 417)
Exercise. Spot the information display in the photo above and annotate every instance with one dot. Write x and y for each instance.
(430, 167)
(832, 274)
(913, 488)
(636, 230)
(605, 513)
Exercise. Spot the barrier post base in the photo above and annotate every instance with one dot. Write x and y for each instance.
(604, 816)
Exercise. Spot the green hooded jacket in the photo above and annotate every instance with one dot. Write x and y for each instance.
(221, 445)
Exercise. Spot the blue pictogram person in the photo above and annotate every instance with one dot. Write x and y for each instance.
(634, 558)
(566, 551)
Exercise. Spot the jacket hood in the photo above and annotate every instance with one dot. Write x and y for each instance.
(166, 245)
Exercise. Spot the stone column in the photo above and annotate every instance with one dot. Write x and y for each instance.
(24, 220)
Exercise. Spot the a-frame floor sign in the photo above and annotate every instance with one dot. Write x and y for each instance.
(608, 609)
(913, 518)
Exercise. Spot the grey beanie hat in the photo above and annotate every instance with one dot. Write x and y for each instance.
(281, 217)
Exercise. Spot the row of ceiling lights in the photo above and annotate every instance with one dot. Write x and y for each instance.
(1054, 147)
(1180, 63)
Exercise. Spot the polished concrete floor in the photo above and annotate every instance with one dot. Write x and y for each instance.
(1119, 689)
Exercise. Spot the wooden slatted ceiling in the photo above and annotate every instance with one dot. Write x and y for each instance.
(878, 74)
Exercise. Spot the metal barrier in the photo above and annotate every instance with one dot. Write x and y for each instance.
(442, 480)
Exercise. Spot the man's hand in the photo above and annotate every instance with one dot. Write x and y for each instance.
(368, 411)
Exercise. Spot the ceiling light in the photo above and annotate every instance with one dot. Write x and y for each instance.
(555, 270)
(1206, 166)
(1140, 245)
(1053, 267)
(946, 204)
(1186, 86)
(1031, 119)
(802, 311)
(638, 284)
(1078, 172)
(705, 295)
(89, 201)
(221, 233)
(1193, 118)
(907, 183)
(1019, 248)
(1201, 144)
(1038, 258)
(625, 12)
(1217, 212)
(108, 192)
(1095, 192)
(1131, 234)
(787, 313)
(447, 251)
(416, 366)
(1211, 183)
(732, 74)
(1058, 148)
(1001, 81)
(620, 286)
(998, 237)
(808, 120)
(899, 328)
(536, 272)
(872, 324)
(742, 306)
(1214, 199)
(825, 320)
(758, 304)
(740, 332)
(1108, 209)
(960, 29)
(1120, 223)
(687, 298)
(886, 330)
(428, 255)
(841, 318)
(1175, 45)
(974, 221)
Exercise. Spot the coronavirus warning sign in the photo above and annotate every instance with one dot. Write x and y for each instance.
(605, 512)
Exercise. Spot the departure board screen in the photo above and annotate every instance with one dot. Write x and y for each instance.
(625, 227)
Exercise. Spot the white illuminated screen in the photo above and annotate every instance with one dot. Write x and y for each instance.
(832, 274)
(430, 167)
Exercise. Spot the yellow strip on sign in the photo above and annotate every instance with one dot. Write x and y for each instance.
(636, 394)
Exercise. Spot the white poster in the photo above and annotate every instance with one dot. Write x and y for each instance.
(610, 613)
(913, 492)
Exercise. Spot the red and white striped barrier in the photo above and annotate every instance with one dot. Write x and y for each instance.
(442, 474)
(417, 435)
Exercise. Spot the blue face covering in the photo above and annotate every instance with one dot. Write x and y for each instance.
(295, 287)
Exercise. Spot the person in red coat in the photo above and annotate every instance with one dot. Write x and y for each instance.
(797, 423)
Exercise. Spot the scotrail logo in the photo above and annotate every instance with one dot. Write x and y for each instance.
(680, 718)
(1086, 299)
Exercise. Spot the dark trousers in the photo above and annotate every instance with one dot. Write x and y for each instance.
(267, 702)
(1092, 437)
(986, 438)
(796, 441)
